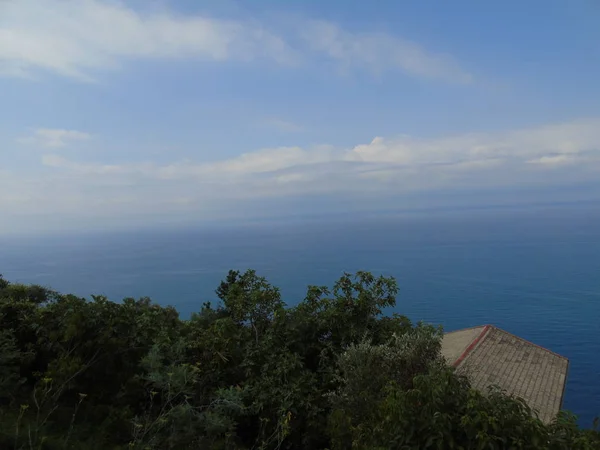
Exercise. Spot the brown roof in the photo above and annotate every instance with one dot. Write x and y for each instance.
(490, 356)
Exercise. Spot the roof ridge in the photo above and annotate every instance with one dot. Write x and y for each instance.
(480, 337)
(465, 329)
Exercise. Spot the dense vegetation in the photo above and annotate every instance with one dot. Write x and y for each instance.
(250, 373)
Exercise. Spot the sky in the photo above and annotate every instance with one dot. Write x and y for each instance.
(125, 114)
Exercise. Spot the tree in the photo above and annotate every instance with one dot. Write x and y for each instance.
(249, 373)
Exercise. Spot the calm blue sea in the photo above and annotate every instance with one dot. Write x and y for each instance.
(534, 273)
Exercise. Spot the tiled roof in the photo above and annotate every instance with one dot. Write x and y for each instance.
(490, 356)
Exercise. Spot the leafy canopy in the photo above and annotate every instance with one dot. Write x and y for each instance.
(332, 372)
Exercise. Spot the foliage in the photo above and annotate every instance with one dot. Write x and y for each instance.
(250, 373)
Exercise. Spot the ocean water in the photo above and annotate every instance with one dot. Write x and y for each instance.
(533, 273)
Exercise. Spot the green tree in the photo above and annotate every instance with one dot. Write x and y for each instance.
(332, 372)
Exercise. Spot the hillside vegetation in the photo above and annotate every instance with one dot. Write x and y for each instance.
(330, 373)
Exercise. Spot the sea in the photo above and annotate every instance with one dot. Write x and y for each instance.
(534, 272)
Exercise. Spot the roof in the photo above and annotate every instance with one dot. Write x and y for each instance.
(490, 356)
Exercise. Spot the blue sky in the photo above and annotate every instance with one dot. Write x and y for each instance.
(126, 114)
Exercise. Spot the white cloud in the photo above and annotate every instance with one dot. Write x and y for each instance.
(378, 51)
(253, 163)
(72, 37)
(76, 38)
(59, 162)
(54, 138)
(381, 158)
(383, 168)
(555, 160)
(548, 141)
